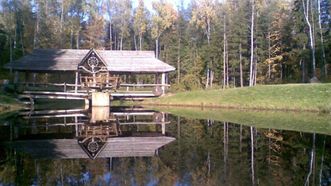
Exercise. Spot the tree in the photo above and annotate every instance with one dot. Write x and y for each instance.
(163, 18)
(203, 15)
(252, 69)
(140, 22)
(306, 4)
(94, 30)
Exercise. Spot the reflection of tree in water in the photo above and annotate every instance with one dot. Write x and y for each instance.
(280, 157)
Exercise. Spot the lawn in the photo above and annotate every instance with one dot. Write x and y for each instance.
(298, 97)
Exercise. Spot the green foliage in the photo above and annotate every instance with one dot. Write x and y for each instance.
(280, 35)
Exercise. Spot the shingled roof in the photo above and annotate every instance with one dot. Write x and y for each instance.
(68, 60)
(69, 148)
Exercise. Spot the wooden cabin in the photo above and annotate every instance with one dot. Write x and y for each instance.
(91, 69)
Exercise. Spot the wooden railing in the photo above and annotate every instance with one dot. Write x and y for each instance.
(156, 89)
(101, 81)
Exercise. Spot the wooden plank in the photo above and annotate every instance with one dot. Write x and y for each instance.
(143, 85)
(54, 125)
(134, 113)
(144, 123)
(54, 93)
(43, 112)
(55, 116)
(116, 94)
(56, 97)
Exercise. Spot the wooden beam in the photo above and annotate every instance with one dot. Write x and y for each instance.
(76, 81)
(55, 93)
(163, 82)
(16, 77)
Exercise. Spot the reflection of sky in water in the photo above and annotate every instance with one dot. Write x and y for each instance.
(107, 177)
(85, 177)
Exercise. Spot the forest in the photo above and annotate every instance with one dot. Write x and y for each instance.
(229, 43)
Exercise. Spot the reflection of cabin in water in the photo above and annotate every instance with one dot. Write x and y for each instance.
(97, 133)
(125, 72)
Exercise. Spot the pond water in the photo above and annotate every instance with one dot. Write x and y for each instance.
(139, 146)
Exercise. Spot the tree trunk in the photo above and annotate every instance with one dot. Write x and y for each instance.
(115, 41)
(269, 56)
(322, 162)
(10, 49)
(311, 37)
(178, 58)
(224, 54)
(252, 156)
(110, 36)
(140, 42)
(251, 73)
(157, 48)
(312, 160)
(71, 38)
(77, 40)
(135, 42)
(36, 30)
(322, 39)
(227, 64)
(211, 74)
(22, 41)
(207, 79)
(241, 66)
(255, 72)
(121, 43)
(61, 27)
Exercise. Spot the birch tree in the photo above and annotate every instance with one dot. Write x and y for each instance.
(162, 19)
(322, 37)
(140, 22)
(252, 68)
(306, 4)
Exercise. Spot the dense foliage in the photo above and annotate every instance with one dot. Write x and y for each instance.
(211, 43)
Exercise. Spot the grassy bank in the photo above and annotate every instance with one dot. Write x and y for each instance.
(293, 121)
(8, 104)
(298, 97)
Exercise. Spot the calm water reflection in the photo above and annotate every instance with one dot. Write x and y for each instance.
(135, 146)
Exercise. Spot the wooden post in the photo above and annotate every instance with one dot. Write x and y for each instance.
(16, 78)
(26, 79)
(107, 80)
(163, 123)
(34, 79)
(76, 126)
(76, 82)
(163, 82)
(65, 87)
(94, 80)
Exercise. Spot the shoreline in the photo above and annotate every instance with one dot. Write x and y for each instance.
(210, 106)
(288, 97)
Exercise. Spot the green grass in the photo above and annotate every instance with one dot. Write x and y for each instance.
(309, 97)
(293, 121)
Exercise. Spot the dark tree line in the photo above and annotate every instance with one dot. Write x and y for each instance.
(212, 44)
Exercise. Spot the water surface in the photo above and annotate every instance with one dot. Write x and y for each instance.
(139, 146)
